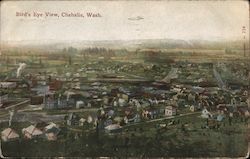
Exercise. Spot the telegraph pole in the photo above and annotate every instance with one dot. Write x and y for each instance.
(1, 152)
(244, 39)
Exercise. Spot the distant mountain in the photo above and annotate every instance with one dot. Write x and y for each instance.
(128, 44)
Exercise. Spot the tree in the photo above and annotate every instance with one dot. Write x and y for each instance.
(70, 60)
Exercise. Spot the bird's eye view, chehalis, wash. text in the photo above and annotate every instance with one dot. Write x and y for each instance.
(125, 79)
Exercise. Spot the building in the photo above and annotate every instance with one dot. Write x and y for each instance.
(206, 114)
(72, 119)
(55, 85)
(31, 132)
(248, 101)
(8, 85)
(50, 126)
(9, 135)
(51, 131)
(113, 128)
(243, 111)
(36, 100)
(41, 125)
(170, 111)
(80, 104)
(53, 101)
(192, 108)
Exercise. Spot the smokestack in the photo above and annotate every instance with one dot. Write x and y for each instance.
(20, 69)
(68, 95)
(244, 48)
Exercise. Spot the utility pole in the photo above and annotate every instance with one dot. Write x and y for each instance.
(7, 62)
(1, 152)
(244, 39)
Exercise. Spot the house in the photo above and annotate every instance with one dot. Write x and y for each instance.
(192, 108)
(79, 104)
(72, 119)
(55, 85)
(170, 111)
(96, 84)
(122, 102)
(9, 135)
(50, 126)
(125, 119)
(113, 128)
(144, 114)
(243, 111)
(108, 122)
(118, 119)
(153, 112)
(133, 118)
(198, 90)
(248, 101)
(36, 100)
(233, 101)
(212, 123)
(232, 111)
(51, 131)
(220, 117)
(191, 97)
(123, 96)
(82, 121)
(41, 125)
(90, 119)
(222, 108)
(49, 101)
(206, 114)
(31, 132)
(107, 100)
(172, 102)
(41, 90)
(110, 113)
(8, 85)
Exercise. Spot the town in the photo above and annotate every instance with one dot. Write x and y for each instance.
(106, 102)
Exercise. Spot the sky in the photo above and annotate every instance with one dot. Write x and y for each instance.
(126, 20)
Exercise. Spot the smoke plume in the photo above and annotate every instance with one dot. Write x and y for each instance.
(20, 69)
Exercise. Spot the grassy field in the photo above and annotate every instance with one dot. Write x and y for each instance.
(145, 139)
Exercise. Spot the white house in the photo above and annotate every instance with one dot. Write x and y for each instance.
(50, 126)
(31, 132)
(79, 104)
(82, 121)
(170, 111)
(9, 135)
(8, 85)
(192, 108)
(122, 102)
(205, 113)
(112, 128)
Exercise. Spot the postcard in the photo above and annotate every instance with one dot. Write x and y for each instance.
(124, 79)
